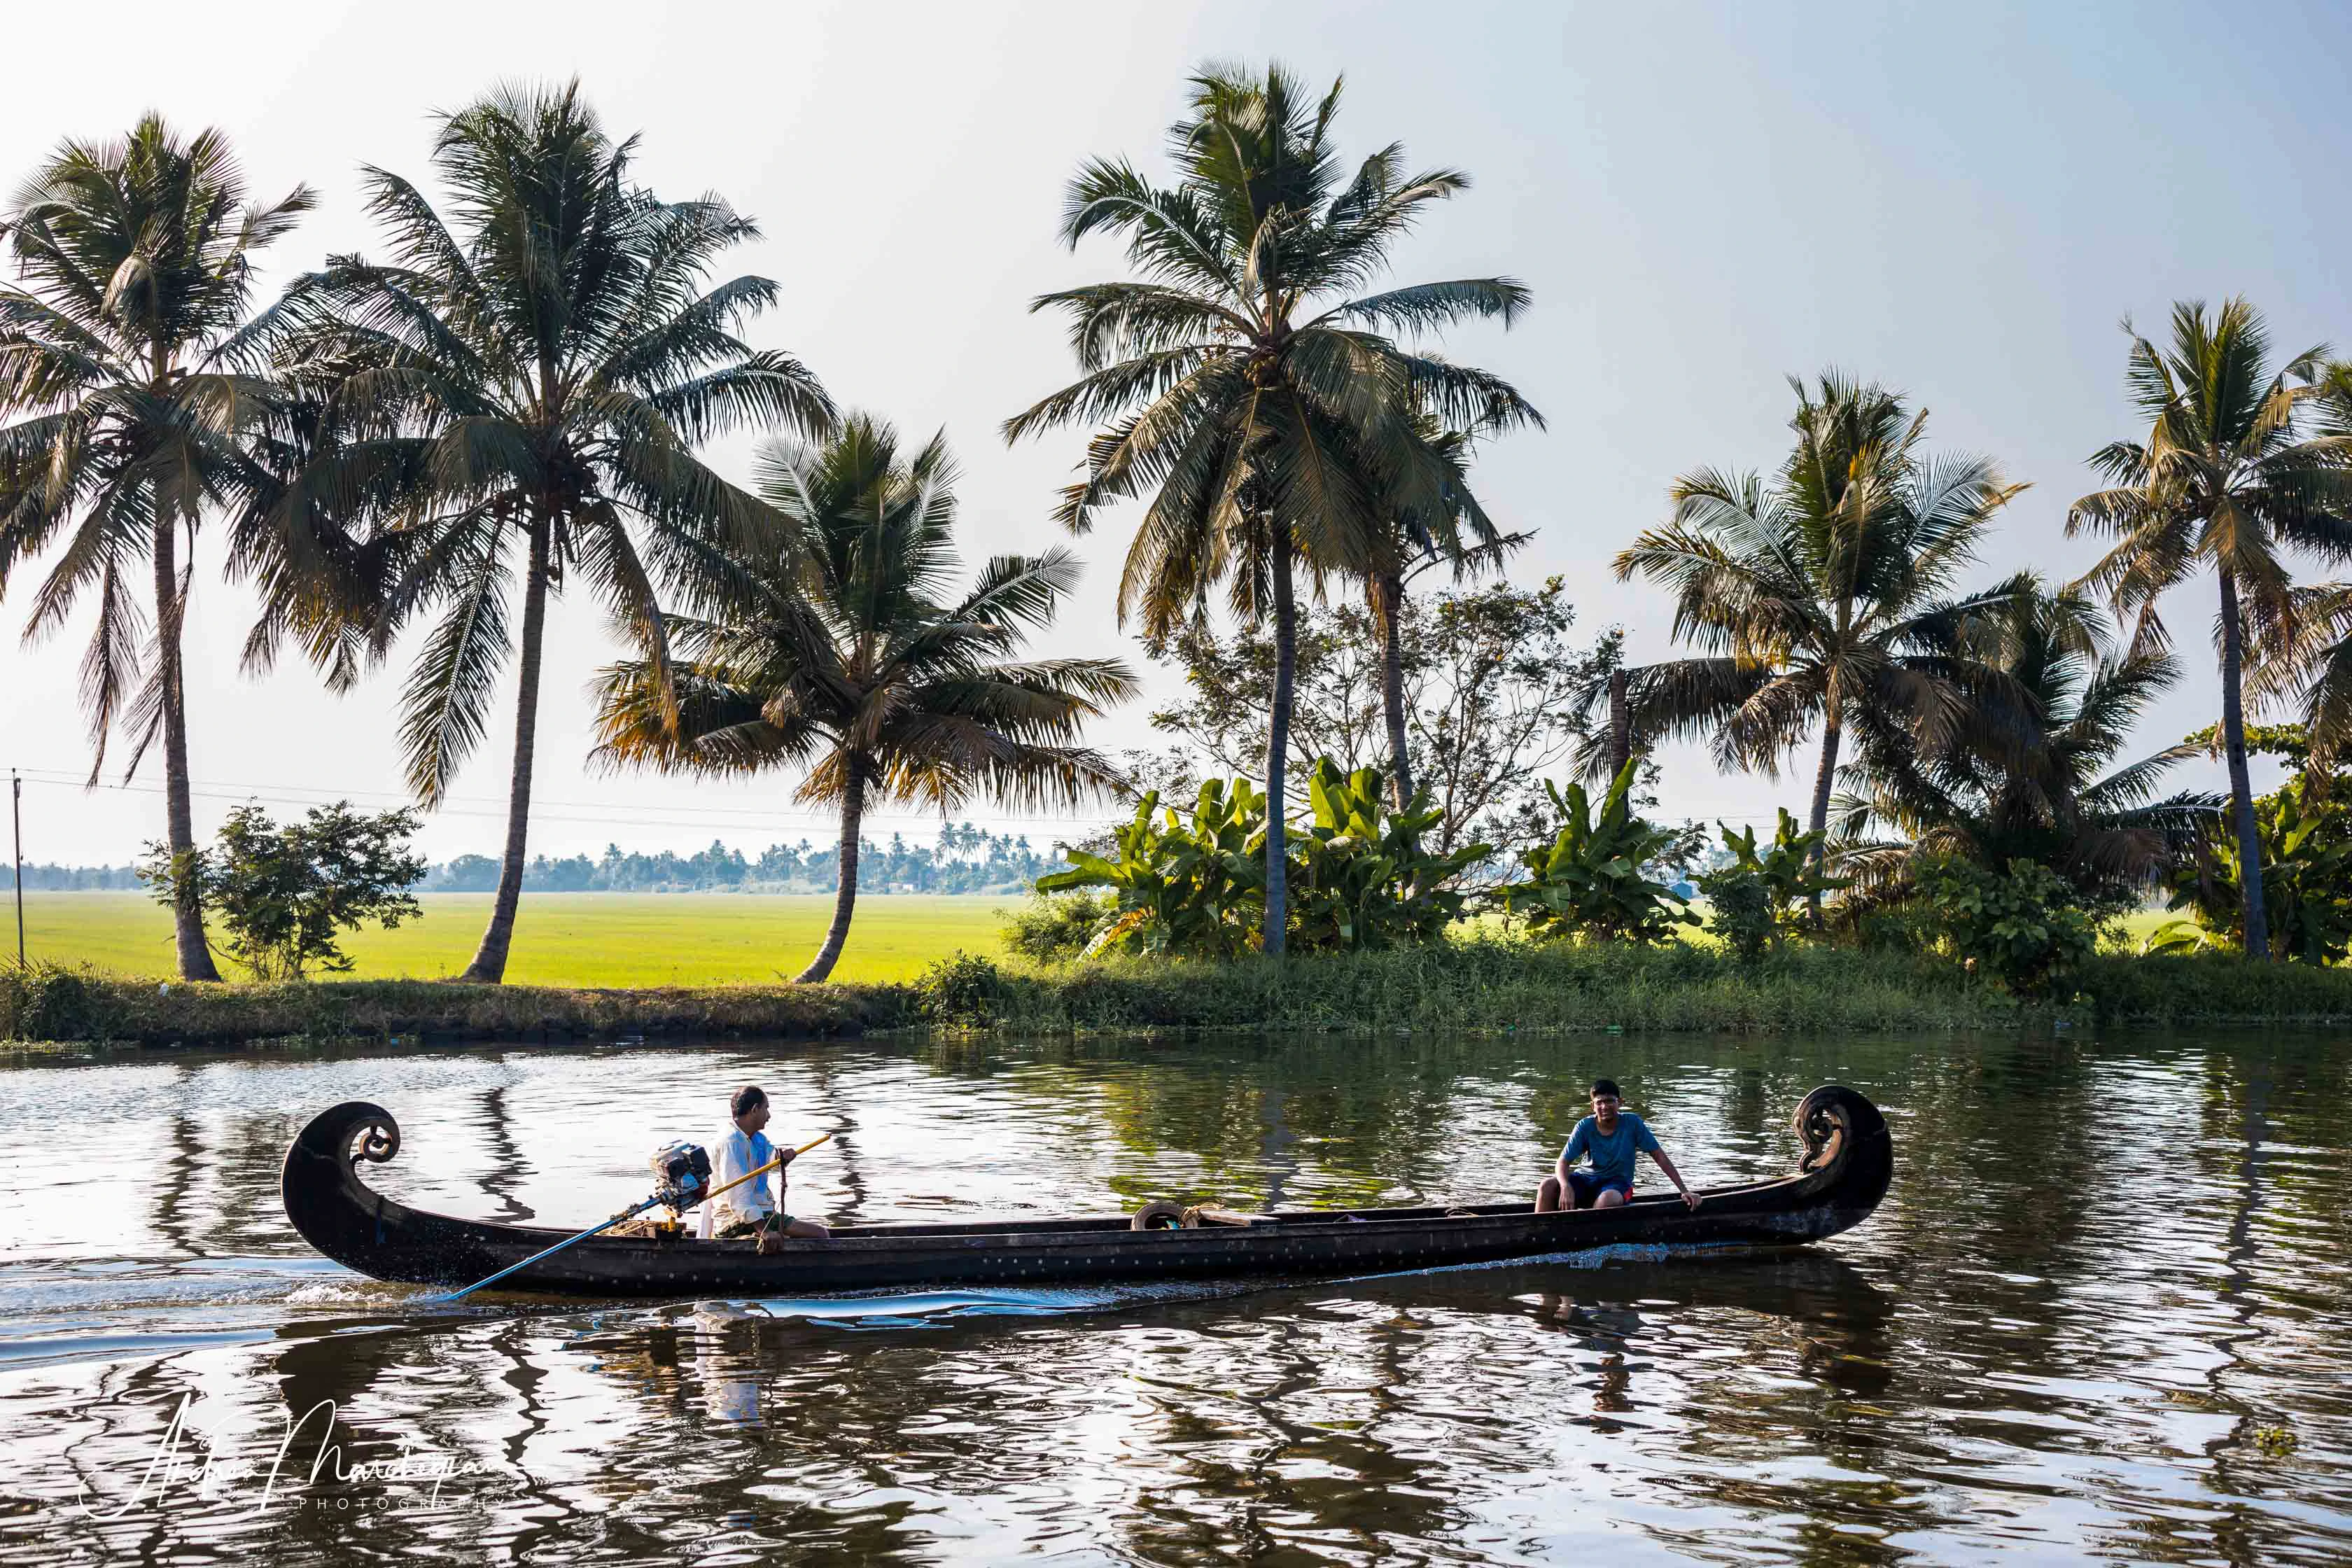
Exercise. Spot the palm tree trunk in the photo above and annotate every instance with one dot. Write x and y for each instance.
(1386, 592)
(845, 893)
(1278, 745)
(1620, 723)
(1832, 732)
(180, 828)
(2242, 791)
(490, 965)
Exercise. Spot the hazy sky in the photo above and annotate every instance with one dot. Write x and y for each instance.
(1960, 202)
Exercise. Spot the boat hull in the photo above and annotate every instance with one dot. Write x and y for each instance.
(1848, 1163)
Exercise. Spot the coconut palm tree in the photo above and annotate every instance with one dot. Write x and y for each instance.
(834, 646)
(2313, 673)
(1405, 542)
(2223, 480)
(124, 364)
(1822, 596)
(2032, 775)
(530, 378)
(1244, 384)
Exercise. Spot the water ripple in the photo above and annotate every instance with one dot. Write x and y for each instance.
(2103, 1313)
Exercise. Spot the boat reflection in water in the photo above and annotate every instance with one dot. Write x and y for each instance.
(1314, 1399)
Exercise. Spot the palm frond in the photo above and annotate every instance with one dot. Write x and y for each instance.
(1428, 307)
(445, 706)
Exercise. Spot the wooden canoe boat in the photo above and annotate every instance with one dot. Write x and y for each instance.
(1847, 1162)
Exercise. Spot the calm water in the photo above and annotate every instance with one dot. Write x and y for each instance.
(2105, 1311)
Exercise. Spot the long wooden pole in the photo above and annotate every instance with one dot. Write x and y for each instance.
(629, 1212)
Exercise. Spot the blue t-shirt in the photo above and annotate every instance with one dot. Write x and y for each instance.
(1613, 1156)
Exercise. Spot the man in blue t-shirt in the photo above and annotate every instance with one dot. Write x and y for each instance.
(1610, 1137)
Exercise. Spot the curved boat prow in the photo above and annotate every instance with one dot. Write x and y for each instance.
(362, 1229)
(1845, 1134)
(323, 1194)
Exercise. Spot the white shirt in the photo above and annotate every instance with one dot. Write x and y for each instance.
(740, 1152)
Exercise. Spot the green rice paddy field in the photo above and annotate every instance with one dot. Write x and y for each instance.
(599, 938)
(568, 939)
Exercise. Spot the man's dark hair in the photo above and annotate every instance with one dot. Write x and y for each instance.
(750, 1096)
(1608, 1086)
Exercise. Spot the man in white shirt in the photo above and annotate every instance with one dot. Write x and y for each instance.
(749, 1209)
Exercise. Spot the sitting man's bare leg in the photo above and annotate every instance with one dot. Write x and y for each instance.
(1610, 1198)
(779, 1226)
(1548, 1195)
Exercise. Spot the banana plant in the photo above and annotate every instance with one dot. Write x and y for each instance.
(1789, 865)
(1359, 875)
(1592, 880)
(2176, 937)
(1762, 895)
(1361, 879)
(2306, 835)
(1193, 889)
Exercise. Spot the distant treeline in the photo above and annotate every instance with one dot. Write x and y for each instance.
(967, 859)
(78, 878)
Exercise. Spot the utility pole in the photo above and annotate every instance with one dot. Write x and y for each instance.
(16, 818)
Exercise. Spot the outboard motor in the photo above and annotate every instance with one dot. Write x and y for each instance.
(682, 1176)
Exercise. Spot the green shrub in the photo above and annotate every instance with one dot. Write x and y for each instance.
(1740, 912)
(1908, 926)
(1763, 895)
(1481, 985)
(2214, 987)
(1592, 881)
(1055, 928)
(960, 990)
(48, 1001)
(1511, 986)
(2023, 926)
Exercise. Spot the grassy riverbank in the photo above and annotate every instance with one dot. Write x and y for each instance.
(1510, 988)
(1465, 987)
(47, 1003)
